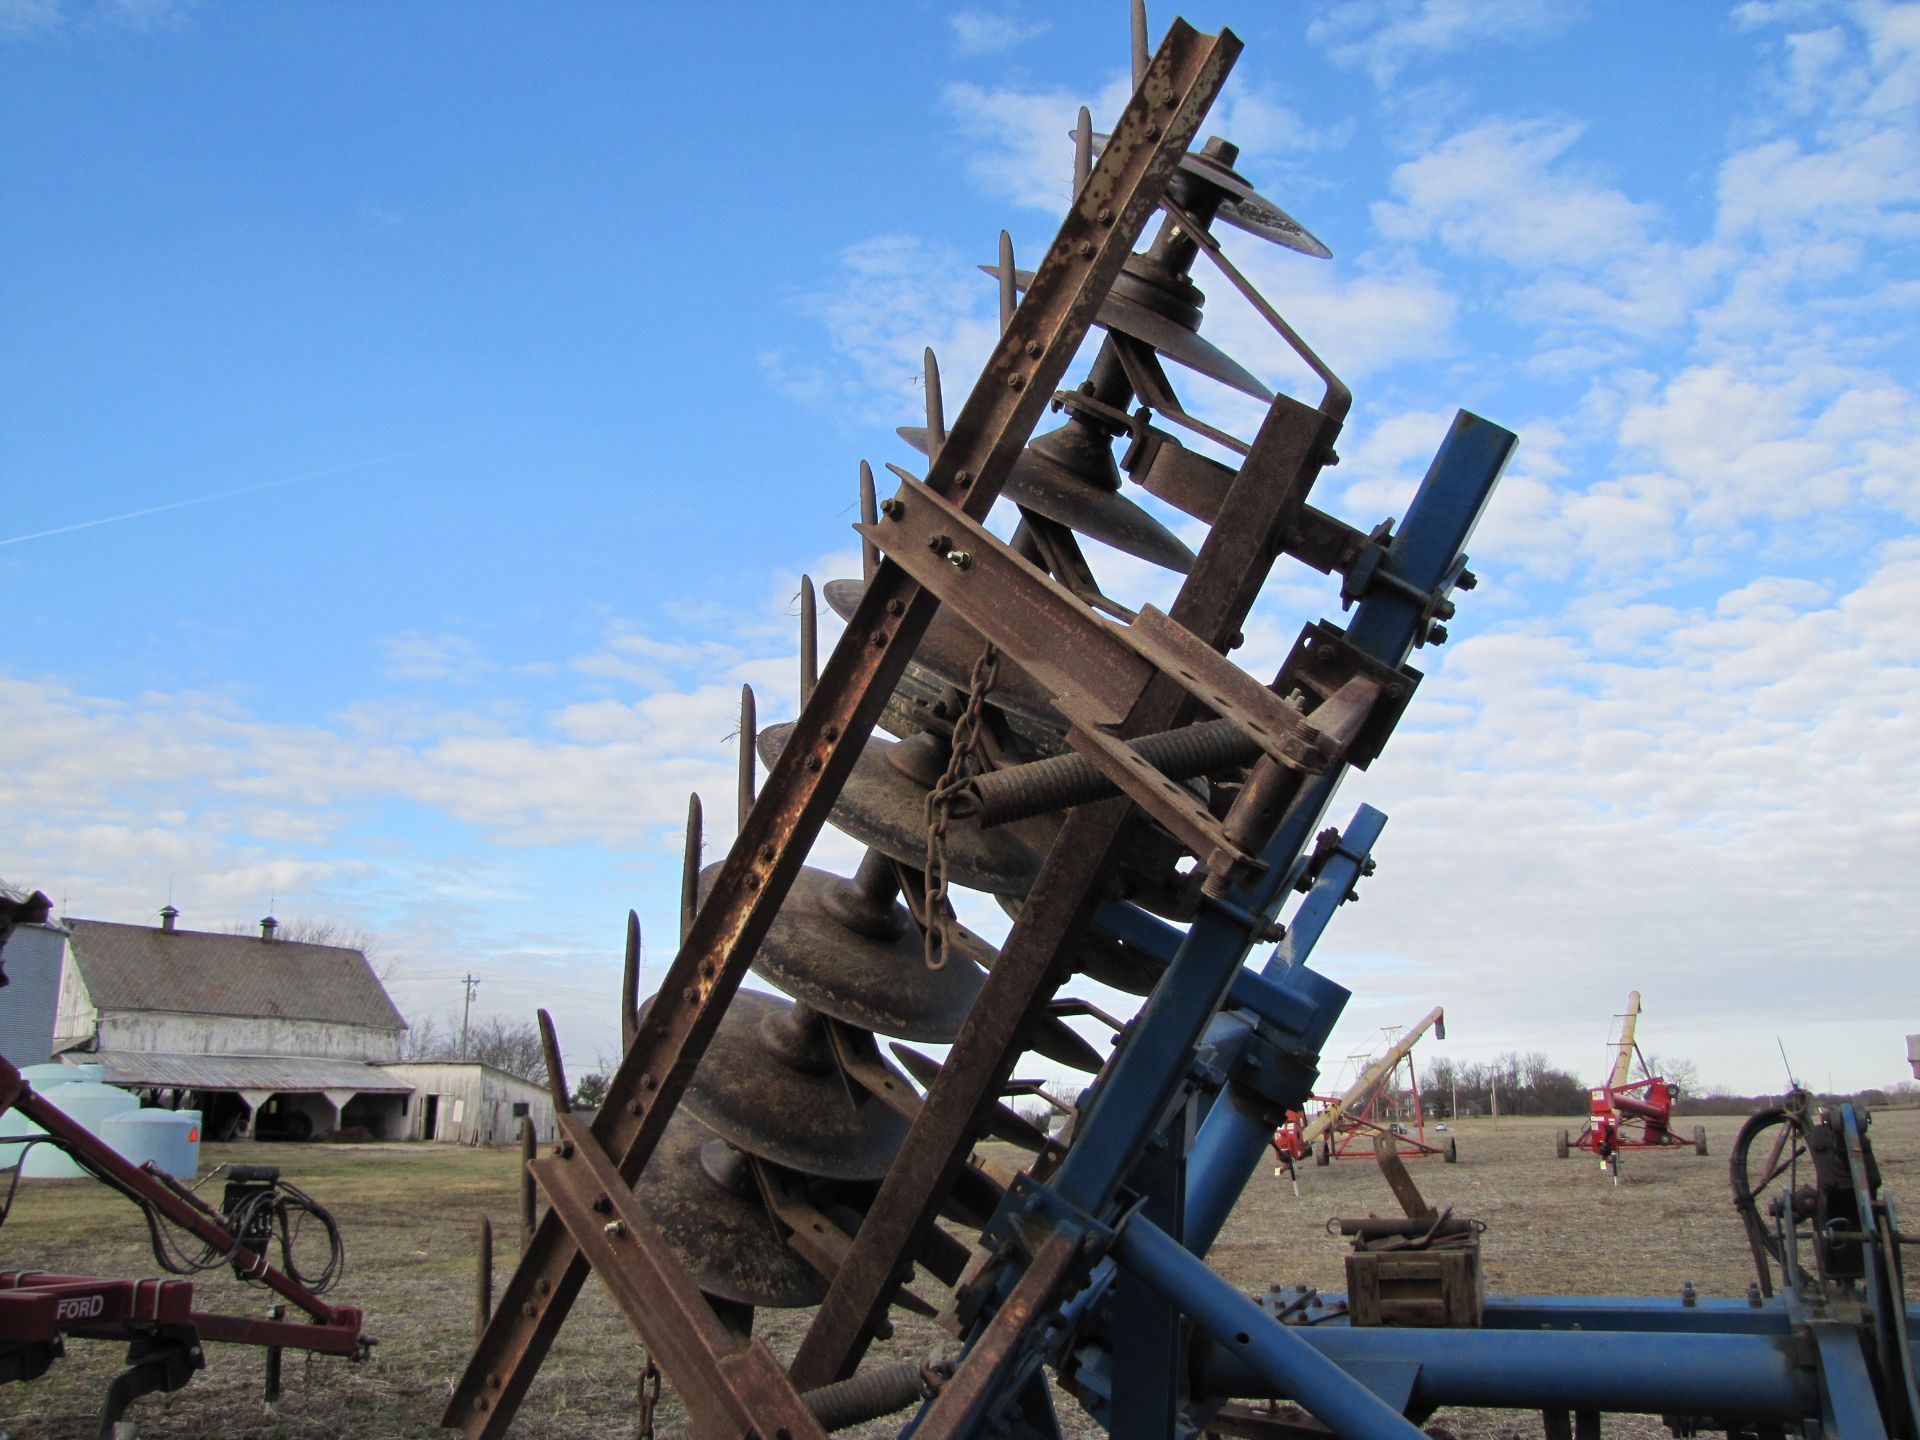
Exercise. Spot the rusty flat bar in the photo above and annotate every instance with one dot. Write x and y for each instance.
(1259, 507)
(1026, 368)
(987, 1360)
(731, 1386)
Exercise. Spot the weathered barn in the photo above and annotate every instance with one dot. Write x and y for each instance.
(470, 1103)
(274, 1038)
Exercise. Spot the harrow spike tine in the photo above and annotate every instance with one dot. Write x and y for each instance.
(903, 473)
(936, 407)
(748, 729)
(483, 1290)
(1082, 155)
(809, 640)
(690, 867)
(529, 1197)
(923, 1068)
(869, 516)
(556, 1072)
(1009, 292)
(630, 985)
(1142, 52)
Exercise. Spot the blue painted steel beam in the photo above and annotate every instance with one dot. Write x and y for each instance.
(1277, 1353)
(1746, 1377)
(1233, 1139)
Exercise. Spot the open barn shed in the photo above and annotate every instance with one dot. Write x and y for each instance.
(277, 1039)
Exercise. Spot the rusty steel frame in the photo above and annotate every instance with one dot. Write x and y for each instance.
(1267, 493)
(1107, 217)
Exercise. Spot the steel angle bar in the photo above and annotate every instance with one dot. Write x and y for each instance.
(732, 1386)
(1082, 662)
(1027, 366)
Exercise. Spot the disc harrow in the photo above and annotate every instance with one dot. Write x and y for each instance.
(1141, 807)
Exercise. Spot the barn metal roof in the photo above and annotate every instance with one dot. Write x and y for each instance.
(192, 972)
(285, 1074)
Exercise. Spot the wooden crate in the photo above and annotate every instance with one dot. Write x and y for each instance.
(1439, 1288)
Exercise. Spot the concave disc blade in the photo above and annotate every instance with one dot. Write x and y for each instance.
(876, 984)
(800, 1118)
(1054, 491)
(723, 1234)
(1169, 338)
(883, 808)
(1246, 209)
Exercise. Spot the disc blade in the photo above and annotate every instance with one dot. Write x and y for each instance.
(877, 984)
(800, 1118)
(882, 807)
(1100, 514)
(1171, 339)
(1246, 209)
(722, 1234)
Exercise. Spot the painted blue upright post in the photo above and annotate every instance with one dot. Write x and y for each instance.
(1233, 1137)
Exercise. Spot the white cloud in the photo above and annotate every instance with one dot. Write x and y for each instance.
(23, 19)
(895, 296)
(981, 32)
(1384, 37)
(1659, 816)
(416, 655)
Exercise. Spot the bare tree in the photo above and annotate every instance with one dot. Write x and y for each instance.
(427, 1041)
(1683, 1075)
(509, 1045)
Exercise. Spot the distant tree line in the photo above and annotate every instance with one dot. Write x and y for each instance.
(509, 1045)
(1526, 1084)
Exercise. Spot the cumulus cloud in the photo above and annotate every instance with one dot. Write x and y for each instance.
(1385, 37)
(892, 298)
(982, 32)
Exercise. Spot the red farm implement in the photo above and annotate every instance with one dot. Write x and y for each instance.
(1629, 1114)
(165, 1333)
(1383, 1101)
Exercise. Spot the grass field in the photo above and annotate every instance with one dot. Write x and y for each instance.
(410, 1215)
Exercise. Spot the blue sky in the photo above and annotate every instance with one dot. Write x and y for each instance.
(531, 355)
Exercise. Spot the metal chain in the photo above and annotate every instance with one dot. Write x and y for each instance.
(937, 914)
(649, 1397)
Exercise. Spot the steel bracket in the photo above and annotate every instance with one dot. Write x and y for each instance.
(1323, 660)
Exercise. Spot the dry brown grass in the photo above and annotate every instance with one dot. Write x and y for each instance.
(410, 1215)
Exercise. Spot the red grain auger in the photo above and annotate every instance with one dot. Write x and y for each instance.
(1627, 1114)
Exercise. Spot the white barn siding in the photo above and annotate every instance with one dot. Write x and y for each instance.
(174, 1034)
(470, 1103)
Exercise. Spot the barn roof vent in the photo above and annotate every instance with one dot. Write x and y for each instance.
(267, 927)
(168, 914)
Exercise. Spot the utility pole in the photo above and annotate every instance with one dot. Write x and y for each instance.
(470, 984)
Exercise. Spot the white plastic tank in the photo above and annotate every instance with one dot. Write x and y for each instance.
(85, 1101)
(44, 1077)
(169, 1138)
